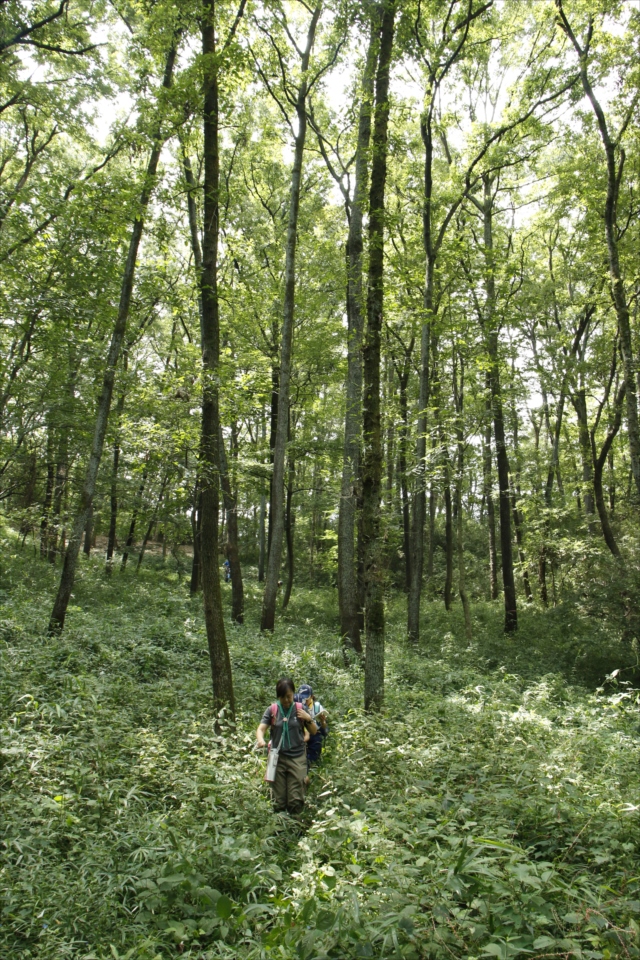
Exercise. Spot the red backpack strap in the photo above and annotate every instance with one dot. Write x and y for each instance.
(274, 712)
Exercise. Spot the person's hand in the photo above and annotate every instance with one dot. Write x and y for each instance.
(260, 745)
(303, 715)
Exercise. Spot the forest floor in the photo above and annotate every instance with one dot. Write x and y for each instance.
(492, 811)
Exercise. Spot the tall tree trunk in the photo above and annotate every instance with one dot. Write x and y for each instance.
(402, 471)
(113, 514)
(231, 548)
(196, 529)
(615, 168)
(277, 499)
(350, 493)
(262, 540)
(56, 622)
(223, 697)
(389, 405)
(433, 506)
(458, 391)
(579, 399)
(273, 431)
(502, 458)
(491, 514)
(45, 529)
(371, 432)
(599, 461)
(62, 467)
(88, 532)
(289, 529)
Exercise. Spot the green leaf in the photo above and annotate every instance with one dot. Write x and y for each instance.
(224, 907)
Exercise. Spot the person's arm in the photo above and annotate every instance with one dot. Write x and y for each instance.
(260, 732)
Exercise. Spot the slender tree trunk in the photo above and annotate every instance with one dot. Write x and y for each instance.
(462, 582)
(113, 515)
(490, 322)
(614, 178)
(612, 485)
(433, 508)
(402, 471)
(491, 514)
(262, 540)
(56, 622)
(350, 492)
(289, 528)
(580, 406)
(231, 549)
(389, 406)
(45, 531)
(371, 433)
(277, 500)
(222, 680)
(196, 566)
(88, 532)
(273, 430)
(62, 468)
(152, 522)
(134, 520)
(598, 467)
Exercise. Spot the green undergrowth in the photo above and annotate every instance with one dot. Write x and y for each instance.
(492, 811)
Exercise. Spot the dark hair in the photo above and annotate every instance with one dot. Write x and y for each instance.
(283, 685)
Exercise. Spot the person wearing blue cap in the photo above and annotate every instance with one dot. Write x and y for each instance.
(319, 715)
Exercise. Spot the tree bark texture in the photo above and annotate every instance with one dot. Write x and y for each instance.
(371, 432)
(276, 517)
(502, 457)
(222, 681)
(350, 492)
(231, 548)
(289, 529)
(45, 530)
(58, 614)
(113, 499)
(491, 513)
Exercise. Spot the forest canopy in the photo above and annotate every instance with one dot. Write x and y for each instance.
(340, 298)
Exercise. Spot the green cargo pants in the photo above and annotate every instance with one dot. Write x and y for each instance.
(288, 787)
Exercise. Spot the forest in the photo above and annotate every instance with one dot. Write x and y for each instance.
(320, 358)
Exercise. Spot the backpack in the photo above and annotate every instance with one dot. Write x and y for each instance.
(274, 711)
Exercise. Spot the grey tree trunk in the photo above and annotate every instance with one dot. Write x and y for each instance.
(230, 505)
(579, 399)
(491, 333)
(615, 159)
(458, 393)
(350, 492)
(371, 432)
(222, 681)
(279, 453)
(113, 515)
(262, 540)
(491, 513)
(45, 530)
(58, 614)
(231, 549)
(132, 524)
(599, 461)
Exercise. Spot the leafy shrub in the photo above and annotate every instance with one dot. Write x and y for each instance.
(491, 811)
